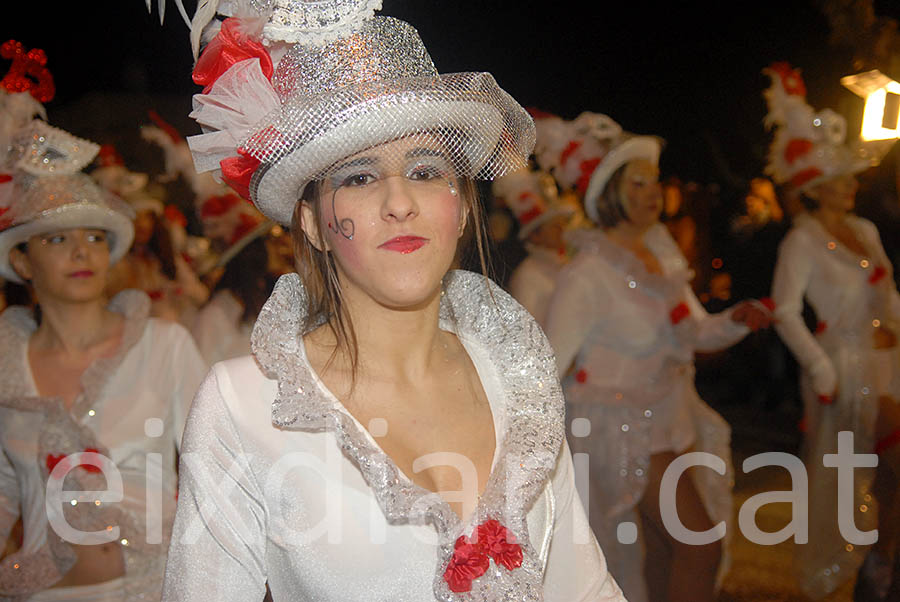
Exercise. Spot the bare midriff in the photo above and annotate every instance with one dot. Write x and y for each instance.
(95, 564)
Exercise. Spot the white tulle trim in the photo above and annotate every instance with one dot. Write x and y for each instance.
(317, 23)
(229, 113)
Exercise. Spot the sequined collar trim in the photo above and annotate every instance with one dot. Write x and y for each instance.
(16, 327)
(670, 284)
(524, 458)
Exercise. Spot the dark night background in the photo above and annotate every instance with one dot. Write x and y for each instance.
(689, 72)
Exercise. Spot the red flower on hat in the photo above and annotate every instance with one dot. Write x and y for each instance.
(231, 45)
(791, 79)
(877, 274)
(679, 312)
(498, 543)
(796, 148)
(469, 562)
(237, 171)
(28, 72)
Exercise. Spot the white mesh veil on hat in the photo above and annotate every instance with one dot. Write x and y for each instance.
(292, 87)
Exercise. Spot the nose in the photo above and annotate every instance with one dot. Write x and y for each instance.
(79, 245)
(399, 202)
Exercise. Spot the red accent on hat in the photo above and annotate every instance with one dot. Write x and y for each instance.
(791, 79)
(802, 177)
(796, 148)
(231, 45)
(537, 113)
(530, 215)
(108, 156)
(567, 152)
(587, 170)
(28, 72)
(237, 171)
(581, 376)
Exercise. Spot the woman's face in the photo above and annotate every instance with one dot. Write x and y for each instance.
(69, 265)
(392, 217)
(144, 224)
(836, 194)
(640, 193)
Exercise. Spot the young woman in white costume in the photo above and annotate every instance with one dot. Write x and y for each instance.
(398, 433)
(81, 374)
(625, 325)
(850, 363)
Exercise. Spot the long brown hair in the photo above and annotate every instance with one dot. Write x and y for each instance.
(318, 272)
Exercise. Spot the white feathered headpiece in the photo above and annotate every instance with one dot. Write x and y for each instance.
(808, 146)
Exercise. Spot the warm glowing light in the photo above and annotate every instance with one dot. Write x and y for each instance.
(881, 114)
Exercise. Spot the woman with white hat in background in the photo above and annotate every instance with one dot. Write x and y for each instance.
(399, 432)
(80, 376)
(851, 362)
(543, 219)
(625, 324)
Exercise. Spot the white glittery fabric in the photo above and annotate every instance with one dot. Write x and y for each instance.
(318, 21)
(633, 380)
(344, 523)
(838, 285)
(153, 375)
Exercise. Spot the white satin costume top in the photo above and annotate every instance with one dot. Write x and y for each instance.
(534, 279)
(131, 411)
(851, 296)
(629, 337)
(280, 483)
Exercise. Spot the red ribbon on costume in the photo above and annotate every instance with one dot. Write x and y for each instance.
(530, 215)
(175, 216)
(821, 327)
(5, 222)
(768, 303)
(877, 274)
(90, 466)
(231, 45)
(888, 441)
(567, 152)
(471, 559)
(108, 156)
(679, 312)
(826, 400)
(581, 376)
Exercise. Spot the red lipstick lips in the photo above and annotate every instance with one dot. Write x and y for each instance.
(81, 274)
(404, 244)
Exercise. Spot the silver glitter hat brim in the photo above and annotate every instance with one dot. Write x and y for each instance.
(476, 120)
(80, 214)
(632, 149)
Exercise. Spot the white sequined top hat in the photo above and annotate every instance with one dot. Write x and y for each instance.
(295, 86)
(584, 153)
(531, 201)
(808, 146)
(41, 187)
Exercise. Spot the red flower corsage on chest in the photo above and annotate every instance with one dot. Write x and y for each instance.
(471, 559)
(88, 465)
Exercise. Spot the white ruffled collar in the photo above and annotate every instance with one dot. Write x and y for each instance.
(525, 455)
(17, 324)
(668, 285)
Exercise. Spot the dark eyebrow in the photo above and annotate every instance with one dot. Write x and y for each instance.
(360, 161)
(425, 152)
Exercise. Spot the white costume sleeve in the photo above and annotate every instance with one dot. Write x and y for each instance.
(715, 331)
(569, 315)
(792, 273)
(217, 553)
(576, 569)
(9, 498)
(188, 368)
